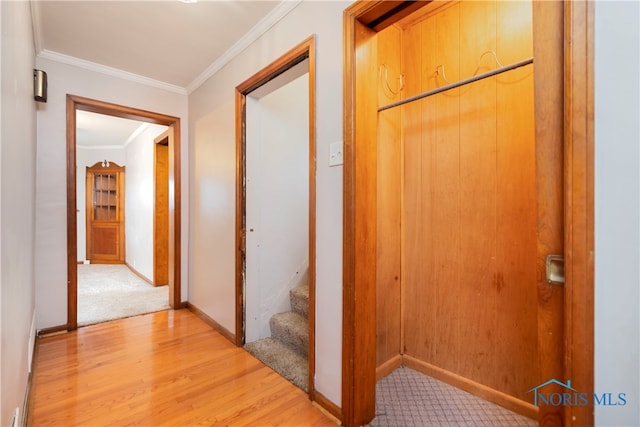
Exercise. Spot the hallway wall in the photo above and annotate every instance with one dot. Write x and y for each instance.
(617, 210)
(51, 215)
(213, 162)
(139, 200)
(17, 202)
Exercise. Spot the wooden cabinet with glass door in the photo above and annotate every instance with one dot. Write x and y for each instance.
(105, 213)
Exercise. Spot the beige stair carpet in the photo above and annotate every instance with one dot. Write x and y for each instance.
(113, 291)
(286, 350)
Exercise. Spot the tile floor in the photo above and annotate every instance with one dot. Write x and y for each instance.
(408, 398)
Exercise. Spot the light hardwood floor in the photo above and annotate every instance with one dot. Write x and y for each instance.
(162, 369)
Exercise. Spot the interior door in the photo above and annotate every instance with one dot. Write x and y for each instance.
(161, 211)
(105, 213)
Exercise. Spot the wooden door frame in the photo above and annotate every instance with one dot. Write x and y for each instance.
(75, 103)
(361, 21)
(304, 50)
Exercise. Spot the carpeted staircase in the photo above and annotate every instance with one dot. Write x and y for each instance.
(286, 351)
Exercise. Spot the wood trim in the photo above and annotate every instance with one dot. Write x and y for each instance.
(548, 46)
(359, 220)
(241, 117)
(394, 11)
(324, 403)
(85, 104)
(499, 398)
(54, 330)
(311, 52)
(304, 50)
(293, 57)
(175, 217)
(388, 367)
(209, 321)
(579, 205)
(137, 273)
(72, 218)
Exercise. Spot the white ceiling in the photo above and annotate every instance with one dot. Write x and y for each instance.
(167, 43)
(98, 131)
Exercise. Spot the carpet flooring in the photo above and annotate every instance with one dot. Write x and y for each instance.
(408, 398)
(113, 291)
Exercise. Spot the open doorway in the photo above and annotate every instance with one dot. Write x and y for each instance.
(275, 262)
(149, 126)
(116, 209)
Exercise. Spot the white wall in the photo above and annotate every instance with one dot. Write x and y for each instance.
(277, 202)
(51, 215)
(617, 212)
(17, 205)
(139, 197)
(211, 124)
(88, 157)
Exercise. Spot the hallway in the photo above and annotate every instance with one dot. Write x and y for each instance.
(167, 368)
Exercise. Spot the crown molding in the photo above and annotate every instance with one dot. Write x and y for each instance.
(110, 71)
(36, 25)
(279, 12)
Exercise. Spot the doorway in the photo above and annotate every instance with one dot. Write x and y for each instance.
(75, 104)
(363, 267)
(275, 261)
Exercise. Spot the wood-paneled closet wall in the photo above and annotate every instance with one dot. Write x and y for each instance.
(456, 276)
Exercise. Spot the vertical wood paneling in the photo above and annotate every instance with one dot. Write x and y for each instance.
(478, 192)
(428, 118)
(418, 321)
(516, 328)
(388, 290)
(446, 179)
(469, 215)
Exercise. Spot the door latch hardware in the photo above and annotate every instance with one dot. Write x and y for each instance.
(555, 270)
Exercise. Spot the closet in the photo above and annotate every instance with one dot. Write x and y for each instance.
(460, 236)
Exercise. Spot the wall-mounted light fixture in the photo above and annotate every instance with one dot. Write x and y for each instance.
(39, 85)
(105, 163)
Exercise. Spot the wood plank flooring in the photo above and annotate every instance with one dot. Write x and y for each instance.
(162, 369)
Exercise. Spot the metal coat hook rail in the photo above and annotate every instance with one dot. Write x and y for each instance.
(458, 84)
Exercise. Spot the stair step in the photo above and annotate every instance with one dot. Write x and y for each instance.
(299, 298)
(281, 359)
(292, 330)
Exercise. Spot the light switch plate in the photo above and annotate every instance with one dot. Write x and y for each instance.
(335, 153)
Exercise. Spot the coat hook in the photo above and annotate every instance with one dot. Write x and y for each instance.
(386, 80)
